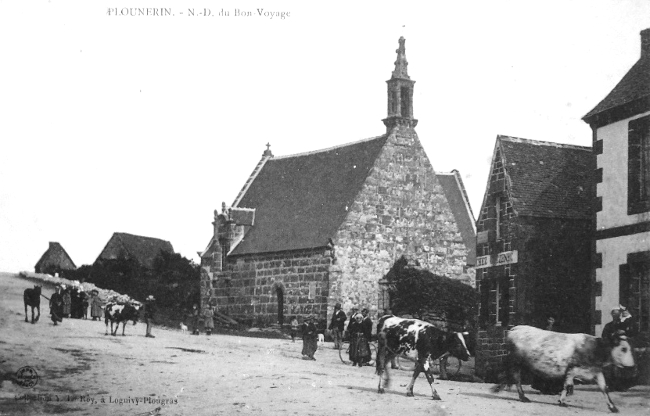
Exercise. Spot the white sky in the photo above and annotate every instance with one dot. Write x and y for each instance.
(145, 125)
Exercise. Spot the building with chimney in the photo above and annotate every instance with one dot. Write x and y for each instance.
(54, 260)
(621, 149)
(312, 229)
(533, 244)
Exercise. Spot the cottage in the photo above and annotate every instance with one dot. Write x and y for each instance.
(143, 250)
(313, 229)
(533, 243)
(54, 259)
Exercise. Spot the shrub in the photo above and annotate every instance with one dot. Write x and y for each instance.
(420, 293)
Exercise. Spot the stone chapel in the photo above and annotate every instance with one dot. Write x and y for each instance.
(312, 229)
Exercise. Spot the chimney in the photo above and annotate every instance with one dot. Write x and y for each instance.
(645, 43)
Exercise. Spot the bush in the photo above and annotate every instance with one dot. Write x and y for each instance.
(420, 293)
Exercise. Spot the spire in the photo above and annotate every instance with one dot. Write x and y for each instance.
(401, 64)
(400, 93)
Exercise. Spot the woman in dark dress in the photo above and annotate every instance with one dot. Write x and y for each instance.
(309, 339)
(359, 348)
(56, 306)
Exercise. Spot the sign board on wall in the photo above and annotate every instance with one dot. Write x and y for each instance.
(507, 257)
(483, 262)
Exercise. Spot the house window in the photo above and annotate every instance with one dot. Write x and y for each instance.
(635, 292)
(499, 297)
(638, 178)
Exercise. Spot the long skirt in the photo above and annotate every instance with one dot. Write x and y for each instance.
(57, 313)
(309, 346)
(359, 348)
(66, 306)
(96, 309)
(208, 322)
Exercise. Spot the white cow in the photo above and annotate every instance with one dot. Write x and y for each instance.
(553, 355)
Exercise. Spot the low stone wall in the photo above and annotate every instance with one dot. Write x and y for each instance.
(104, 294)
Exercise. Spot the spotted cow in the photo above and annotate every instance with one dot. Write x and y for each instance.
(117, 313)
(398, 336)
(553, 355)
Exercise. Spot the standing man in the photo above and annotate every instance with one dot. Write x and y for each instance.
(337, 325)
(56, 305)
(149, 311)
(367, 331)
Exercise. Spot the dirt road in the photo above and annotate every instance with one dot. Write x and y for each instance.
(82, 371)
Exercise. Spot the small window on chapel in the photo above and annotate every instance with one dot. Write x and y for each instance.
(406, 102)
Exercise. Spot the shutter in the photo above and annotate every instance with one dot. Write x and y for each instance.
(634, 137)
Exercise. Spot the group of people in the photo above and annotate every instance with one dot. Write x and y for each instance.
(359, 332)
(207, 316)
(73, 303)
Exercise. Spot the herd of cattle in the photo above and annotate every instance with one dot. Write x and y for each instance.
(548, 355)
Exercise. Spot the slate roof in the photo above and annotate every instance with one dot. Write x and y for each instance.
(301, 200)
(142, 249)
(635, 85)
(454, 190)
(547, 179)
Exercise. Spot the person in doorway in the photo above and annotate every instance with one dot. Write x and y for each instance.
(149, 312)
(309, 339)
(337, 325)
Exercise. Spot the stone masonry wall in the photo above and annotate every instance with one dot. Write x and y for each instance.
(401, 210)
(248, 289)
(490, 353)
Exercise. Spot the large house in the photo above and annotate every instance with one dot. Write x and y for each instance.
(533, 243)
(54, 258)
(313, 229)
(621, 148)
(143, 250)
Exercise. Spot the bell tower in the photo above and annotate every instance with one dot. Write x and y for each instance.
(400, 93)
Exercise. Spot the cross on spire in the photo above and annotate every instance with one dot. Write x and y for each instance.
(268, 152)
